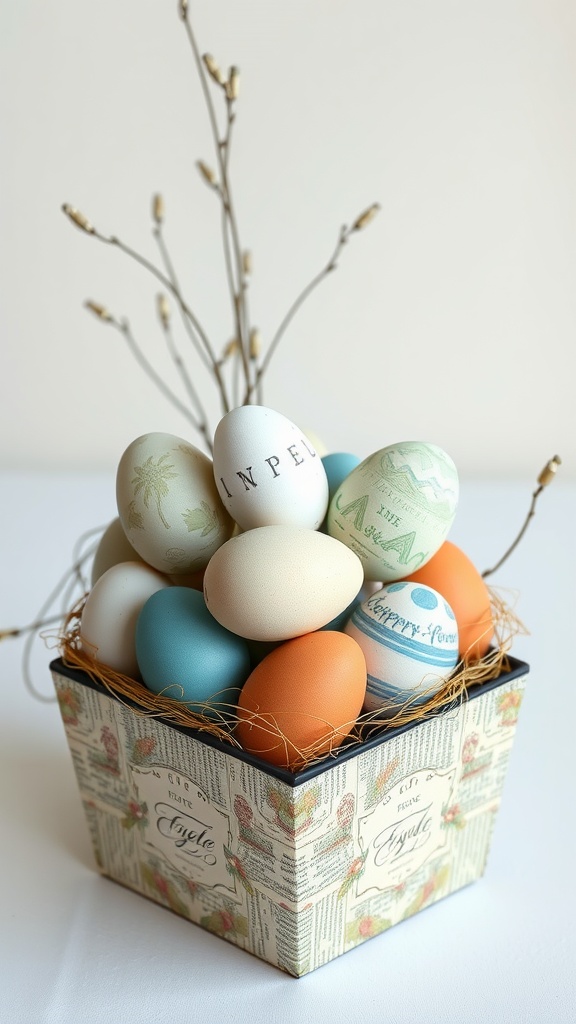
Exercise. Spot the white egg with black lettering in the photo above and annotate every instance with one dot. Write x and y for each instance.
(267, 471)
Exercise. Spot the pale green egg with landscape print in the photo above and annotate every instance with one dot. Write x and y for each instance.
(395, 509)
(168, 504)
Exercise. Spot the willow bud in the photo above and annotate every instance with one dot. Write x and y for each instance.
(255, 343)
(365, 217)
(163, 307)
(100, 311)
(233, 84)
(78, 218)
(549, 472)
(206, 172)
(158, 208)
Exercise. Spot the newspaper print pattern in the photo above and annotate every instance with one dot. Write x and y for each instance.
(297, 875)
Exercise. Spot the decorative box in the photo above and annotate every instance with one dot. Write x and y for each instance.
(294, 868)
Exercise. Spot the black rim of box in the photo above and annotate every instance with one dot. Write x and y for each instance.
(293, 779)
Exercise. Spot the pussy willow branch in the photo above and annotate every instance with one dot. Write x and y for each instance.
(124, 327)
(148, 265)
(345, 233)
(166, 259)
(242, 277)
(84, 224)
(225, 192)
(545, 478)
(202, 424)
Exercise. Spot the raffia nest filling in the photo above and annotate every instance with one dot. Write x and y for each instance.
(222, 720)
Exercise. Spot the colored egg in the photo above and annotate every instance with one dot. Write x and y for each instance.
(277, 582)
(303, 699)
(168, 503)
(113, 547)
(395, 509)
(266, 470)
(185, 654)
(111, 610)
(453, 575)
(409, 637)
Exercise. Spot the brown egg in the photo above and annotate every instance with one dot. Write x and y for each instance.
(303, 699)
(452, 574)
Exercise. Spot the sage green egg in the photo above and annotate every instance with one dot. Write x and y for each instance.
(396, 508)
(168, 504)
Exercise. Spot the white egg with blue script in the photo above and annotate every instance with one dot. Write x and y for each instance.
(267, 471)
(409, 637)
(183, 653)
(395, 509)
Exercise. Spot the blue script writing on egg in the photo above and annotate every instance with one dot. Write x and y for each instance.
(388, 617)
(246, 476)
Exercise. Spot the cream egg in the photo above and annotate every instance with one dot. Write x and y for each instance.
(267, 471)
(395, 509)
(110, 614)
(278, 582)
(168, 504)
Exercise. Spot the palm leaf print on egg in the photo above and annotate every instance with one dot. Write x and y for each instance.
(151, 477)
(203, 518)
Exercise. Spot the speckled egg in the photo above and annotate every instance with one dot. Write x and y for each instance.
(396, 508)
(169, 505)
(278, 582)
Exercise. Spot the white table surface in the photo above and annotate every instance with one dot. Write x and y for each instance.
(74, 946)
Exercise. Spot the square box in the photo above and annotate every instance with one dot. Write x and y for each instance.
(294, 868)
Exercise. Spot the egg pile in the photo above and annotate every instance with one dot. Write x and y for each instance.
(295, 589)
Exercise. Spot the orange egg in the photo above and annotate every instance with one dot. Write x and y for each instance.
(303, 699)
(453, 575)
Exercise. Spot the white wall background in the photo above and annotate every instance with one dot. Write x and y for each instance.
(451, 319)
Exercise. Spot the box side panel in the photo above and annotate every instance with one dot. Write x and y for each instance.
(168, 816)
(296, 875)
(412, 826)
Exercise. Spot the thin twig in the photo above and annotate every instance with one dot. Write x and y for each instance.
(224, 189)
(124, 327)
(85, 225)
(545, 478)
(202, 425)
(188, 324)
(298, 302)
(113, 240)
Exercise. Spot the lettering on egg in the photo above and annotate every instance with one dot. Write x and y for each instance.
(387, 616)
(272, 462)
(402, 544)
(395, 509)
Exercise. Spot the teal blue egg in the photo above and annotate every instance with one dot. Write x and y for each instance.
(185, 654)
(337, 466)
